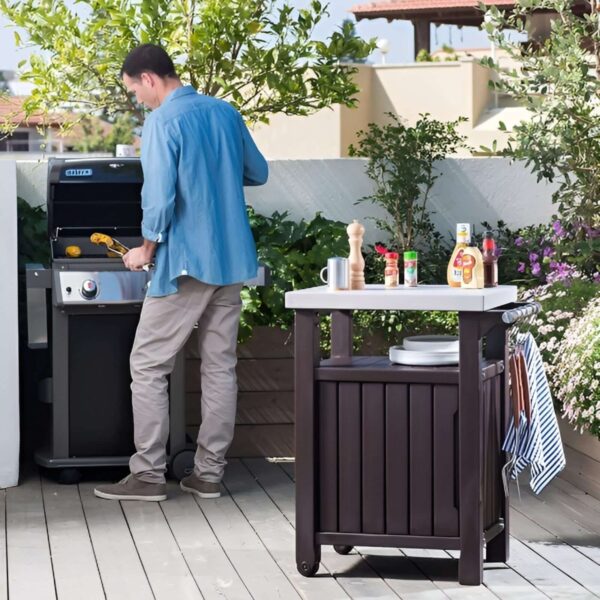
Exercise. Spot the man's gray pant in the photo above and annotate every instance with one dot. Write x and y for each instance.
(165, 325)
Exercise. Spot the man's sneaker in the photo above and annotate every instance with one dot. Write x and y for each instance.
(202, 489)
(132, 488)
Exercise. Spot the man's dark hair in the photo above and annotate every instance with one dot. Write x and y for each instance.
(148, 58)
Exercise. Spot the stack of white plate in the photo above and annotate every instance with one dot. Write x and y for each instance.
(426, 351)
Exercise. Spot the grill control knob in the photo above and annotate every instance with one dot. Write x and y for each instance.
(89, 289)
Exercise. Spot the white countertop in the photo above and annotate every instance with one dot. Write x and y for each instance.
(423, 297)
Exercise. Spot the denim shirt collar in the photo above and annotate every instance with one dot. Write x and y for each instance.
(184, 90)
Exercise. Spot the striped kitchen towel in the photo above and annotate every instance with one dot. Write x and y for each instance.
(537, 443)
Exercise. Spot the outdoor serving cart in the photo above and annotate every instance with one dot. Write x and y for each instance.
(399, 456)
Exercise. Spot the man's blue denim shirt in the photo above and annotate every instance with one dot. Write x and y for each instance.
(197, 155)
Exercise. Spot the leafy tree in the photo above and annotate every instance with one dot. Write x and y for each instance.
(558, 81)
(401, 163)
(95, 139)
(259, 55)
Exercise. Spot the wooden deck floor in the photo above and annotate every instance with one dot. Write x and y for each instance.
(61, 542)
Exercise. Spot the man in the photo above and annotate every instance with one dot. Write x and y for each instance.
(196, 156)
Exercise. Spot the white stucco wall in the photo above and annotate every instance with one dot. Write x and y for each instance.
(468, 190)
(9, 338)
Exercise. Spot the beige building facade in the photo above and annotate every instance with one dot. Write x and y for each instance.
(445, 90)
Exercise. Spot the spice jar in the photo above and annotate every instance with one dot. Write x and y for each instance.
(410, 268)
(391, 273)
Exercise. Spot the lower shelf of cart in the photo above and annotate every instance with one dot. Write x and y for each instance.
(401, 541)
(380, 369)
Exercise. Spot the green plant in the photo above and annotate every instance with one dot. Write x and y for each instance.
(576, 370)
(32, 234)
(95, 138)
(424, 56)
(558, 81)
(295, 252)
(402, 164)
(260, 55)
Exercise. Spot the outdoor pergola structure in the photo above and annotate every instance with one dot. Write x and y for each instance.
(422, 13)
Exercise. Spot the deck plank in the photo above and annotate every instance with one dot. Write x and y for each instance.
(263, 578)
(579, 568)
(542, 574)
(3, 565)
(165, 566)
(275, 530)
(276, 533)
(73, 558)
(27, 542)
(507, 584)
(214, 574)
(352, 572)
(289, 468)
(566, 518)
(120, 567)
(442, 570)
(401, 574)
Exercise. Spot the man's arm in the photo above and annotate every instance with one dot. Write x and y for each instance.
(256, 168)
(159, 162)
(160, 157)
(137, 258)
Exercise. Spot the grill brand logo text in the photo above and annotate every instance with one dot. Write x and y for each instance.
(78, 173)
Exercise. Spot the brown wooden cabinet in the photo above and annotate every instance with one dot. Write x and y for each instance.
(396, 456)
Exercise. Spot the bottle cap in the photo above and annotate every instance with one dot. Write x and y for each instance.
(410, 255)
(488, 241)
(392, 255)
(463, 232)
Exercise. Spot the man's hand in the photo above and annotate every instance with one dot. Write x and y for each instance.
(136, 258)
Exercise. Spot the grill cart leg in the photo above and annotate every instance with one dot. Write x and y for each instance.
(470, 566)
(308, 552)
(497, 348)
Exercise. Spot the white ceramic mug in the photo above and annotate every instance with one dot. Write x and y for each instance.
(125, 150)
(337, 274)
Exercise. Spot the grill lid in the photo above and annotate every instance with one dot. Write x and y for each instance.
(100, 194)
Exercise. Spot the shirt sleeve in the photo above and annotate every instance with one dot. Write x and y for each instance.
(256, 168)
(160, 157)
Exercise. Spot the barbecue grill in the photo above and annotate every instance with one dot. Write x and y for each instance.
(94, 308)
(91, 306)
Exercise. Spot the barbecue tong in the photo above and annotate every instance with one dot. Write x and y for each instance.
(115, 246)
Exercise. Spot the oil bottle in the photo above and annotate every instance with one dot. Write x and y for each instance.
(463, 239)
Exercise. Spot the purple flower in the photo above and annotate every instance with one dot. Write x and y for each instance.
(521, 267)
(548, 251)
(560, 272)
(536, 269)
(533, 257)
(597, 277)
(558, 229)
(519, 241)
(591, 232)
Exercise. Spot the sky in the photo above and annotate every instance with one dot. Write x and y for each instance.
(398, 33)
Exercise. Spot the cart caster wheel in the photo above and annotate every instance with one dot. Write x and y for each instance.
(182, 464)
(308, 569)
(343, 549)
(69, 476)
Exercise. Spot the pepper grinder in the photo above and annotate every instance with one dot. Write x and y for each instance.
(356, 262)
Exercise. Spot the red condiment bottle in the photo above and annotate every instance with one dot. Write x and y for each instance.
(490, 261)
